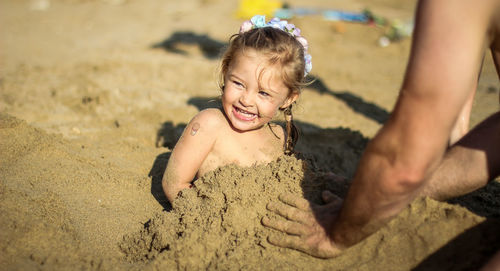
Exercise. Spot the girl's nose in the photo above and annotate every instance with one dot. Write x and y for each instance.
(247, 98)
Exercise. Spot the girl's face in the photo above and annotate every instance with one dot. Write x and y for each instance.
(250, 103)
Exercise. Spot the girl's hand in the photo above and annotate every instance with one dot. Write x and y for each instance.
(307, 225)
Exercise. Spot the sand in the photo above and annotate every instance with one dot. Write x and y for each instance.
(94, 94)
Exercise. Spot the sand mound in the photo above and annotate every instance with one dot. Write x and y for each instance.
(56, 200)
(52, 216)
(216, 226)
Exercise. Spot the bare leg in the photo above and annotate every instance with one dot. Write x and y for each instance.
(462, 124)
(493, 264)
(469, 164)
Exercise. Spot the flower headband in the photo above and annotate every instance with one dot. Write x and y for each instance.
(259, 21)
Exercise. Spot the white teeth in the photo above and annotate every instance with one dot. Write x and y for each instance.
(245, 112)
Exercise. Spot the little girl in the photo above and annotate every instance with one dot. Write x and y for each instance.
(262, 72)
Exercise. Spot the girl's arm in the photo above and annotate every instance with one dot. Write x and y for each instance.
(190, 151)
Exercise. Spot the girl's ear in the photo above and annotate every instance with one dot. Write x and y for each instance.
(290, 100)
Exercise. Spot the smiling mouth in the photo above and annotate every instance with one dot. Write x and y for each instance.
(243, 114)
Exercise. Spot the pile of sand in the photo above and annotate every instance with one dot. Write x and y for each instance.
(215, 225)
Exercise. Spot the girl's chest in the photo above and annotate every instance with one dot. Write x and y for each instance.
(243, 151)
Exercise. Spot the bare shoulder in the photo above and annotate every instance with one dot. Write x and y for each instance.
(211, 119)
(211, 116)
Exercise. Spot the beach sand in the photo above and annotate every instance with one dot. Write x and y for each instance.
(94, 94)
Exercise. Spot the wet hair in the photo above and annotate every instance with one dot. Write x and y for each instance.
(279, 48)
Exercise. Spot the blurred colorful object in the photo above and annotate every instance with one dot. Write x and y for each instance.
(249, 8)
(394, 30)
(328, 14)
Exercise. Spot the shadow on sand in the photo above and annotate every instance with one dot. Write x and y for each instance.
(356, 103)
(468, 251)
(210, 48)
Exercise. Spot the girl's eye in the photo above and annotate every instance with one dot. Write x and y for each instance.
(238, 84)
(263, 93)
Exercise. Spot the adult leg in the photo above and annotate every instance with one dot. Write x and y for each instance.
(461, 126)
(493, 264)
(469, 164)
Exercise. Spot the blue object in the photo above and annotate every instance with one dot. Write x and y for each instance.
(336, 15)
(331, 14)
(287, 13)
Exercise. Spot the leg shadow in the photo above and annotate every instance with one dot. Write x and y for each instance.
(468, 251)
(210, 48)
(367, 109)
